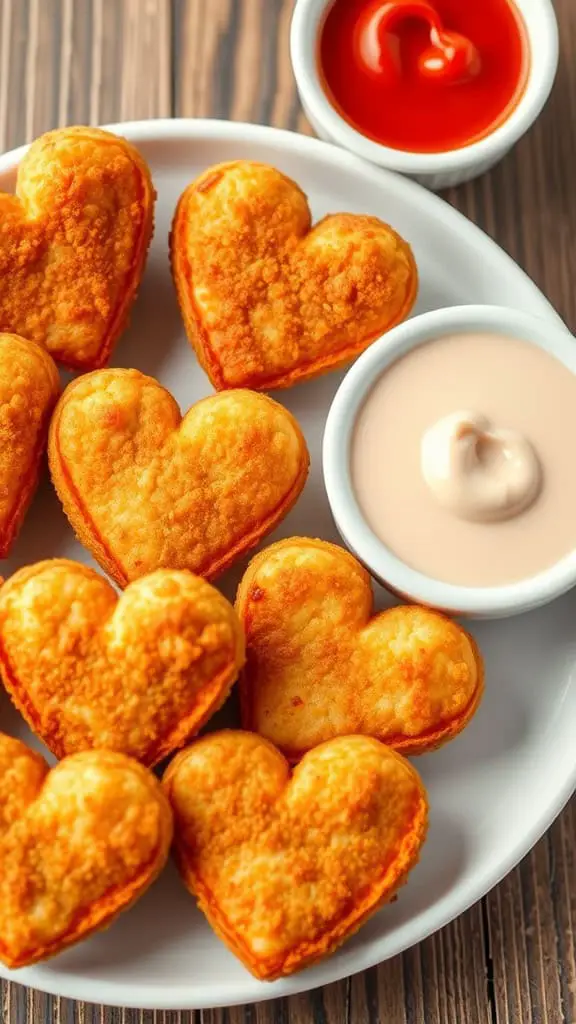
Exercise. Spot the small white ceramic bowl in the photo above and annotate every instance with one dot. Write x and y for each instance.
(435, 170)
(386, 567)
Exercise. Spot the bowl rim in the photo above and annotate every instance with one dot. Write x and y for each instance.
(543, 38)
(386, 567)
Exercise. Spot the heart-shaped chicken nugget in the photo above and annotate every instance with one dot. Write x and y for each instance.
(140, 674)
(286, 868)
(269, 301)
(145, 488)
(78, 844)
(29, 388)
(319, 664)
(73, 243)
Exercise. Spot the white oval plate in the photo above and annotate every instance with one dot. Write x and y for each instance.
(494, 790)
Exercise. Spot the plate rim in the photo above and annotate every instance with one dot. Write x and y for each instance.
(128, 995)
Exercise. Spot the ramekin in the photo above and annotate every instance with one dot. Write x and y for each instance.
(381, 562)
(434, 170)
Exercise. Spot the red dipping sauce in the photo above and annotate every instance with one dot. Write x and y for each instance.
(383, 68)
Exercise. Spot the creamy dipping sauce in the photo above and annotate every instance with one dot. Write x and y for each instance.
(463, 459)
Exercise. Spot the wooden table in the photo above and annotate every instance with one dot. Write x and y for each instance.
(511, 958)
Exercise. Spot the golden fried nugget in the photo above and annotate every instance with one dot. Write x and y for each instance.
(73, 243)
(318, 664)
(287, 868)
(29, 389)
(269, 301)
(145, 488)
(78, 845)
(139, 675)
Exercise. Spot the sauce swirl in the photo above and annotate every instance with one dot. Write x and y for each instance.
(477, 471)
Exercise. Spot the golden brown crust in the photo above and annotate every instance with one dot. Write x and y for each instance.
(269, 301)
(78, 845)
(319, 664)
(286, 868)
(29, 389)
(74, 243)
(140, 674)
(145, 488)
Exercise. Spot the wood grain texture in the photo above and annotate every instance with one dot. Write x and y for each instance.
(511, 959)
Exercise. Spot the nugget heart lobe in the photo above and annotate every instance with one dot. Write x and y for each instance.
(320, 664)
(29, 388)
(74, 242)
(286, 868)
(269, 301)
(78, 844)
(146, 488)
(140, 674)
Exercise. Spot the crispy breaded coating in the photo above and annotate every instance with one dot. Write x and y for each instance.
(319, 664)
(73, 243)
(145, 488)
(140, 674)
(269, 301)
(29, 389)
(287, 868)
(78, 844)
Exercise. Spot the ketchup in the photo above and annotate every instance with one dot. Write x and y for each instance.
(424, 75)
